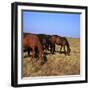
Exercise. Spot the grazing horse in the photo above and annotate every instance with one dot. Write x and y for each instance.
(58, 40)
(31, 41)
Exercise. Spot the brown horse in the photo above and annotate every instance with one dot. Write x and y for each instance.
(55, 39)
(31, 41)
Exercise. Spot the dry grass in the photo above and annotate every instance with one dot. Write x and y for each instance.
(57, 64)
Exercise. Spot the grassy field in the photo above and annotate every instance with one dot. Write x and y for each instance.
(57, 64)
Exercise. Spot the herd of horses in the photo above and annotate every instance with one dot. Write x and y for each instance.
(37, 44)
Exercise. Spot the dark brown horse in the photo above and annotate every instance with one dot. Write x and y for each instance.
(62, 41)
(31, 41)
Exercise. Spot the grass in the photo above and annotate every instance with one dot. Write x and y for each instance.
(57, 64)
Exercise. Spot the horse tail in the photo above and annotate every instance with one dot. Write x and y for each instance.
(68, 45)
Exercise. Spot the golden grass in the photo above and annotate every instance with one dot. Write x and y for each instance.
(57, 64)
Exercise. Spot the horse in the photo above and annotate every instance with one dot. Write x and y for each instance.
(31, 41)
(62, 41)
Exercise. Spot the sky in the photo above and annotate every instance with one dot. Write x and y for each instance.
(62, 24)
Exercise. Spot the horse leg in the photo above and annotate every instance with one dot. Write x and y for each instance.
(33, 53)
(47, 47)
(52, 51)
(50, 48)
(36, 54)
(68, 50)
(53, 48)
(40, 56)
(65, 50)
(60, 48)
(28, 52)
